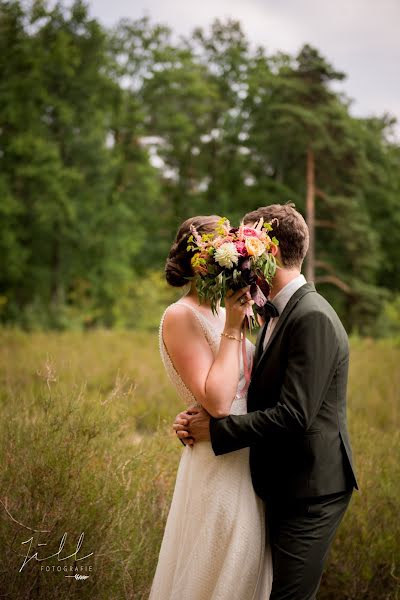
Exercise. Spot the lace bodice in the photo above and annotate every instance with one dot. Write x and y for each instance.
(213, 336)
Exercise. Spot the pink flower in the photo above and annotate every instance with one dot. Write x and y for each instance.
(262, 235)
(241, 248)
(218, 241)
(250, 232)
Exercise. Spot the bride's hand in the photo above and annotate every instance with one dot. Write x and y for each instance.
(236, 305)
(192, 426)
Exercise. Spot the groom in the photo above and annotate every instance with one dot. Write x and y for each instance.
(300, 454)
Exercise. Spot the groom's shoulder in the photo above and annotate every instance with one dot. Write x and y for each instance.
(313, 303)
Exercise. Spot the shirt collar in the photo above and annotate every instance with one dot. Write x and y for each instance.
(284, 295)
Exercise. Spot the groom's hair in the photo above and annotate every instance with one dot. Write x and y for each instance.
(290, 229)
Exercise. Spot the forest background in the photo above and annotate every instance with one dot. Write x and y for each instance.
(109, 138)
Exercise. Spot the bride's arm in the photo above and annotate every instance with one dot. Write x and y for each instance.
(213, 382)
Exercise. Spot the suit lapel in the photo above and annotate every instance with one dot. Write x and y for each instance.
(259, 342)
(305, 289)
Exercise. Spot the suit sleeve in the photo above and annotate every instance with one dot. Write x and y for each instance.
(312, 359)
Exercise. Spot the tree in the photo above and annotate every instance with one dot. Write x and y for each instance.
(56, 166)
(108, 139)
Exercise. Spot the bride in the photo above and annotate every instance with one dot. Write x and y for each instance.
(214, 545)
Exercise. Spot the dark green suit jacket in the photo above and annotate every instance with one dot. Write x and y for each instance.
(296, 422)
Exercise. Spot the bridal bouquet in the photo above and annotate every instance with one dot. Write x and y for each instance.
(231, 258)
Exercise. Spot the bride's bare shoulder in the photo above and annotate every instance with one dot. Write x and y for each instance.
(179, 318)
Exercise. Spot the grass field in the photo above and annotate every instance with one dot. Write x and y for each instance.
(86, 446)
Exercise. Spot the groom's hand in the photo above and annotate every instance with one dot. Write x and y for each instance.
(180, 427)
(199, 426)
(193, 426)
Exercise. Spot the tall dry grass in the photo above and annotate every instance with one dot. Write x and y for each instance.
(85, 446)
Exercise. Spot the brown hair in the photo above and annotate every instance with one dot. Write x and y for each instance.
(290, 229)
(178, 268)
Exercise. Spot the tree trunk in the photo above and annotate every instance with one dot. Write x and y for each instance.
(310, 214)
(56, 291)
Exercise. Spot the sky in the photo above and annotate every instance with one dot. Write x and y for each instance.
(359, 37)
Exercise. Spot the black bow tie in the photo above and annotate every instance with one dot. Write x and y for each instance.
(268, 311)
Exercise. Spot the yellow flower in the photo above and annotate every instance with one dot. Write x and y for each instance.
(254, 246)
(197, 262)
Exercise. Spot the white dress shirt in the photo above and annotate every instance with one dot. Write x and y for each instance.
(280, 301)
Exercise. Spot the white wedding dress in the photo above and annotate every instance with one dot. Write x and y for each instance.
(214, 544)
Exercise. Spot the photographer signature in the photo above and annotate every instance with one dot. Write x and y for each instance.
(35, 556)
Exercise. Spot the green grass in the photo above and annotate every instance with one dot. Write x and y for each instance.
(86, 445)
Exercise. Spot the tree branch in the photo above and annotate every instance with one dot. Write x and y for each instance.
(320, 194)
(334, 280)
(325, 223)
(321, 264)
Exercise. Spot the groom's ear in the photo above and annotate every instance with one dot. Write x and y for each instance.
(274, 250)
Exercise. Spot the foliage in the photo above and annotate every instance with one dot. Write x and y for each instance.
(86, 445)
(231, 258)
(106, 135)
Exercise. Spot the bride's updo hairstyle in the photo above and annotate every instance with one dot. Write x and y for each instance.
(178, 268)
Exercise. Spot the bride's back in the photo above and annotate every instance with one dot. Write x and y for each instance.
(212, 336)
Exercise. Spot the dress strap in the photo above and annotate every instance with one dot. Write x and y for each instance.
(196, 310)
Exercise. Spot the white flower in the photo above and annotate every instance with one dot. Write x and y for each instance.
(226, 255)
